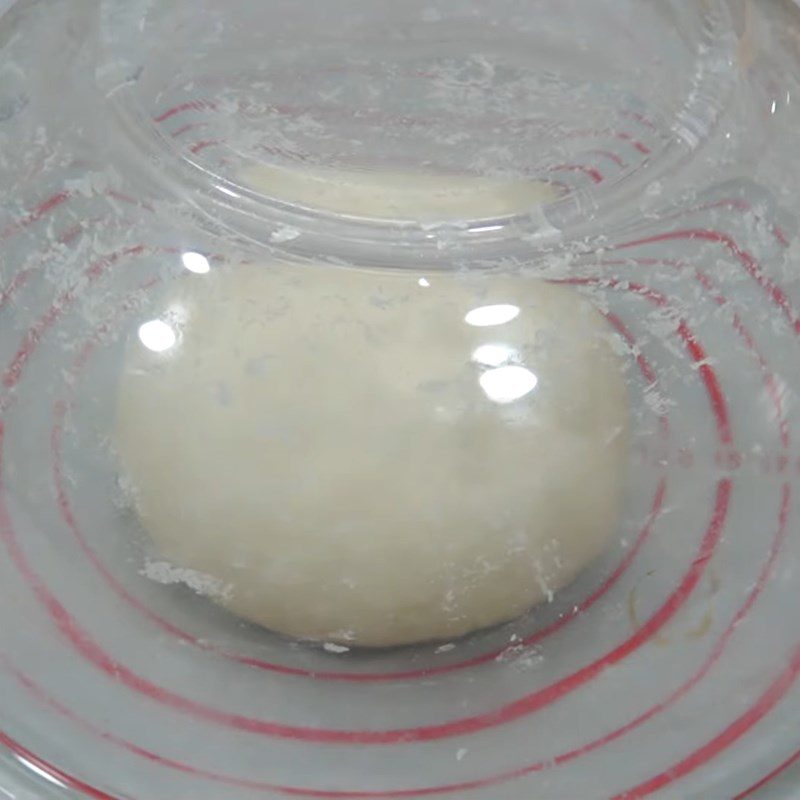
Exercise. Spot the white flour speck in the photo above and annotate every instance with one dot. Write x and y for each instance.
(330, 647)
(167, 574)
(284, 234)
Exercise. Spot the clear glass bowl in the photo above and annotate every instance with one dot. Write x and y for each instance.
(666, 132)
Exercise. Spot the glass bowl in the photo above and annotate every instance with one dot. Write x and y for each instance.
(139, 146)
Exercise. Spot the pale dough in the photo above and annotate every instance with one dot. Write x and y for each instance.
(342, 449)
(400, 195)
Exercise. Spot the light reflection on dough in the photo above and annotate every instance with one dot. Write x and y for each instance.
(488, 316)
(507, 384)
(196, 262)
(157, 335)
(494, 355)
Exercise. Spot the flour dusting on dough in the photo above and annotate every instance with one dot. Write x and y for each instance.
(168, 574)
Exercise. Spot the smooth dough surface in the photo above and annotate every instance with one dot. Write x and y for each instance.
(363, 456)
(401, 195)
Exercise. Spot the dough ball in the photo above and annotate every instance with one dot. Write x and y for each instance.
(401, 195)
(375, 457)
